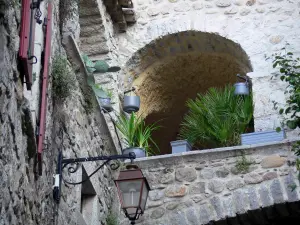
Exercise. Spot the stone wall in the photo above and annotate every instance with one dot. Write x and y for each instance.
(210, 185)
(25, 197)
(261, 27)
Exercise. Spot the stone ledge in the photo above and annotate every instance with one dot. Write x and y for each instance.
(212, 154)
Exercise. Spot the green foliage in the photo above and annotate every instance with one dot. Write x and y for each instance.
(242, 165)
(217, 118)
(99, 66)
(289, 68)
(112, 219)
(63, 80)
(137, 133)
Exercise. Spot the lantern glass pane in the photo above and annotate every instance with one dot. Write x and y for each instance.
(144, 196)
(130, 191)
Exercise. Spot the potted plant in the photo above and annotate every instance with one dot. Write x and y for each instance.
(217, 118)
(137, 135)
(131, 102)
(104, 96)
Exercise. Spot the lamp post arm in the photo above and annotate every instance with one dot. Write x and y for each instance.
(62, 163)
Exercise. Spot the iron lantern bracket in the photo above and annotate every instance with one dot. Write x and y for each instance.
(62, 163)
(38, 13)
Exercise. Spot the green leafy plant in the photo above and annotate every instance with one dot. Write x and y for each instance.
(99, 66)
(243, 164)
(137, 134)
(289, 71)
(63, 80)
(217, 118)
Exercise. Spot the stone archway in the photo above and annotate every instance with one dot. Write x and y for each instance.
(176, 67)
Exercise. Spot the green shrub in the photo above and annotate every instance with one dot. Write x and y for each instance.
(217, 118)
(63, 79)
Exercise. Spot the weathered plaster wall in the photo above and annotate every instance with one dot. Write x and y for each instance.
(25, 197)
(261, 27)
(202, 186)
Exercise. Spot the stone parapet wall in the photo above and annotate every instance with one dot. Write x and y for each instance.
(202, 186)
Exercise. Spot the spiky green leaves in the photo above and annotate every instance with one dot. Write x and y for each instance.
(136, 133)
(217, 118)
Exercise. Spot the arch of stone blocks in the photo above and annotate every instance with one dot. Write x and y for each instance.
(174, 68)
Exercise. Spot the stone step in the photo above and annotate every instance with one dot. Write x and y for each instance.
(95, 49)
(105, 57)
(98, 38)
(90, 20)
(88, 11)
(87, 31)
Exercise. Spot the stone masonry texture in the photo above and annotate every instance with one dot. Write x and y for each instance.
(192, 188)
(212, 198)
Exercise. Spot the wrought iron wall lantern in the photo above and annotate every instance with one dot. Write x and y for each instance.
(132, 186)
(242, 88)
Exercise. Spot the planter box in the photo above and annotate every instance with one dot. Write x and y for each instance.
(180, 146)
(262, 137)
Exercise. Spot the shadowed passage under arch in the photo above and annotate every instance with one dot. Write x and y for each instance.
(176, 67)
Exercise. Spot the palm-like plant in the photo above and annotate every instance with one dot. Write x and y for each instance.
(136, 133)
(216, 118)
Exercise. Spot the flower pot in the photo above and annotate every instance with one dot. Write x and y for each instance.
(180, 146)
(105, 103)
(139, 152)
(131, 103)
(262, 137)
(241, 88)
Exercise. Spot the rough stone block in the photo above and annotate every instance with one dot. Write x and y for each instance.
(157, 213)
(265, 196)
(216, 186)
(178, 218)
(217, 204)
(223, 3)
(156, 195)
(253, 198)
(276, 191)
(270, 176)
(176, 191)
(191, 216)
(186, 174)
(253, 178)
(272, 161)
(197, 188)
(207, 173)
(198, 198)
(241, 202)
(235, 183)
(204, 214)
(222, 172)
(290, 185)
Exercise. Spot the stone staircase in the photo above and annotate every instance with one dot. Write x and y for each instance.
(93, 39)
